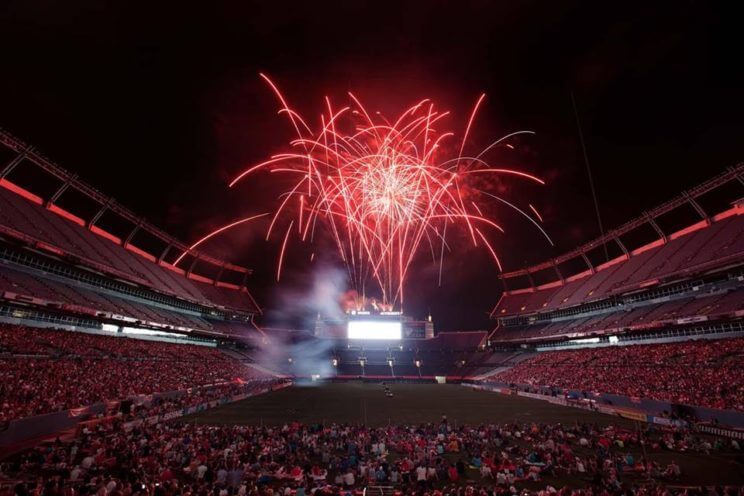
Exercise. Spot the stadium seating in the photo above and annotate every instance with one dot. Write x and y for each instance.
(700, 373)
(716, 245)
(711, 306)
(54, 290)
(73, 369)
(24, 216)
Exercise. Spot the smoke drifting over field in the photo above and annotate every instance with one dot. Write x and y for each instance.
(294, 319)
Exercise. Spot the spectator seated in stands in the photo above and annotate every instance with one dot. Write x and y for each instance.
(77, 369)
(700, 373)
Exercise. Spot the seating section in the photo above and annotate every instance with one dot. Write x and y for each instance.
(707, 306)
(41, 224)
(73, 369)
(700, 373)
(55, 291)
(712, 246)
(454, 341)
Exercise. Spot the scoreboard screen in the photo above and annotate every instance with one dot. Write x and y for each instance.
(374, 329)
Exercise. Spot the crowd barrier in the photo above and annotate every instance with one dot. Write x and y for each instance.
(720, 431)
(26, 430)
(643, 410)
(154, 419)
(41, 426)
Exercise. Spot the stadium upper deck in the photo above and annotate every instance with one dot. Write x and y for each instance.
(689, 275)
(38, 237)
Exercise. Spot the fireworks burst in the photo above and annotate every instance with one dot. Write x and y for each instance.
(381, 187)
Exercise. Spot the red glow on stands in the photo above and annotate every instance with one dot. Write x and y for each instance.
(614, 261)
(105, 234)
(67, 215)
(20, 191)
(574, 277)
(650, 246)
(549, 285)
(173, 268)
(687, 230)
(140, 252)
(51, 248)
(521, 291)
(227, 285)
(737, 210)
(197, 277)
(650, 282)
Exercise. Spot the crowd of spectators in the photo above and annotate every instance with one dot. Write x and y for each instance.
(23, 340)
(189, 459)
(700, 373)
(73, 369)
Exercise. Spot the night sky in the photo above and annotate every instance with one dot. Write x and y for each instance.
(160, 105)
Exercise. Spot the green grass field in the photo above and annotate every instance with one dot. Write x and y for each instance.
(418, 403)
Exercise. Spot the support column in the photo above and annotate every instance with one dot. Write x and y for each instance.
(100, 213)
(588, 263)
(14, 163)
(698, 208)
(622, 246)
(57, 194)
(656, 227)
(134, 231)
(165, 252)
(738, 175)
(558, 272)
(219, 274)
(191, 267)
(529, 278)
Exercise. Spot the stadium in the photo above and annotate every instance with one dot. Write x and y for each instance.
(138, 362)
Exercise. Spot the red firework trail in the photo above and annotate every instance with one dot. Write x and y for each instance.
(381, 187)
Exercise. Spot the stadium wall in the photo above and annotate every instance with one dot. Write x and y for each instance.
(640, 409)
(17, 434)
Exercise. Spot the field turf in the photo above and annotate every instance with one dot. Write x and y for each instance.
(419, 403)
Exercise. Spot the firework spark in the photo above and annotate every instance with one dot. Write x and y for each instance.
(382, 188)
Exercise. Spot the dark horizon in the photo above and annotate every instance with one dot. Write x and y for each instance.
(171, 102)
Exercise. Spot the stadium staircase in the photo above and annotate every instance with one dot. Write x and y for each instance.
(490, 373)
(242, 357)
(234, 354)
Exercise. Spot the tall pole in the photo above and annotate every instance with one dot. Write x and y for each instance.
(589, 173)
